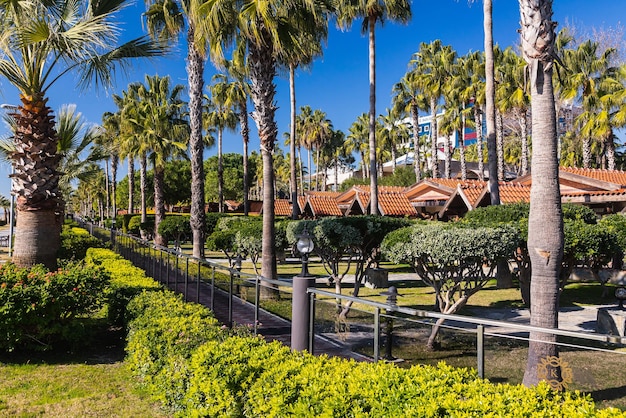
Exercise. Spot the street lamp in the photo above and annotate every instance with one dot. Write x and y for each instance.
(305, 245)
(300, 301)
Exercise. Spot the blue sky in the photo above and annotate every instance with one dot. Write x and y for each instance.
(337, 83)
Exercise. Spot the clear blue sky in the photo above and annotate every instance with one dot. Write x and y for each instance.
(337, 83)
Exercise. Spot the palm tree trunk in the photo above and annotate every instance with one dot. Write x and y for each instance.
(220, 172)
(245, 134)
(262, 71)
(524, 130)
(447, 157)
(115, 160)
(490, 105)
(461, 134)
(433, 143)
(586, 152)
(159, 203)
(131, 184)
(500, 144)
(107, 188)
(478, 121)
(545, 223)
(195, 69)
(416, 143)
(295, 212)
(308, 153)
(372, 118)
(610, 151)
(143, 185)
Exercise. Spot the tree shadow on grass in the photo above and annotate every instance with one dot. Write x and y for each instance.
(105, 345)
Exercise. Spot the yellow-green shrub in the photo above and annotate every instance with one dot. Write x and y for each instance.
(127, 281)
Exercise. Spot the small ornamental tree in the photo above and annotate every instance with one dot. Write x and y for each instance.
(616, 223)
(342, 242)
(175, 228)
(456, 262)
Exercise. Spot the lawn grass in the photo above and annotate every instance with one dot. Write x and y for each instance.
(90, 381)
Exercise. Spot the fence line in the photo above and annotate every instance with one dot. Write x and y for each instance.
(140, 252)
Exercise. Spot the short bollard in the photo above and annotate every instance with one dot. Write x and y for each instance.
(392, 299)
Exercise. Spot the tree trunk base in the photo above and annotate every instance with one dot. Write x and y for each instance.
(37, 238)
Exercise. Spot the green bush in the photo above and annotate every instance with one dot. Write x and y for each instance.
(175, 227)
(164, 332)
(75, 242)
(127, 281)
(39, 307)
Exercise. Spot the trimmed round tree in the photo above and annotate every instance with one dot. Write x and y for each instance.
(456, 262)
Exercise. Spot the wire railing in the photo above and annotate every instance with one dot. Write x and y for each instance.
(172, 268)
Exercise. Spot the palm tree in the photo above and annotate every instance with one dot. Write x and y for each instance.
(473, 70)
(42, 42)
(393, 132)
(107, 142)
(513, 97)
(237, 95)
(407, 95)
(433, 67)
(372, 12)
(587, 68)
(166, 21)
(490, 103)
(265, 32)
(78, 157)
(165, 132)
(357, 140)
(545, 223)
(221, 116)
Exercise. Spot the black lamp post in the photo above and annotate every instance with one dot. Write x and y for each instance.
(305, 245)
(301, 303)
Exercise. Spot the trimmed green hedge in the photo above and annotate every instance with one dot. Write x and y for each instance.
(127, 281)
(198, 369)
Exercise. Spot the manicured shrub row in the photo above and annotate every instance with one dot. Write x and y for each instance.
(198, 369)
(39, 308)
(127, 281)
(75, 242)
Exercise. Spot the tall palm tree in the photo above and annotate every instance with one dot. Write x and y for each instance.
(433, 65)
(42, 42)
(587, 68)
(393, 132)
(238, 94)
(221, 115)
(107, 142)
(165, 132)
(545, 223)
(407, 95)
(166, 21)
(265, 32)
(513, 98)
(490, 103)
(372, 12)
(474, 93)
(357, 140)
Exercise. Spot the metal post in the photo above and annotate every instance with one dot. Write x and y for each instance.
(257, 302)
(198, 283)
(176, 273)
(230, 301)
(213, 288)
(480, 350)
(160, 266)
(186, 277)
(167, 277)
(377, 334)
(312, 323)
(300, 312)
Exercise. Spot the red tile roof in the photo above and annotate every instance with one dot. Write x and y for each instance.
(395, 204)
(514, 192)
(282, 207)
(323, 206)
(610, 176)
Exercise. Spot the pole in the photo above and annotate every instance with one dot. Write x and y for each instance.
(300, 312)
